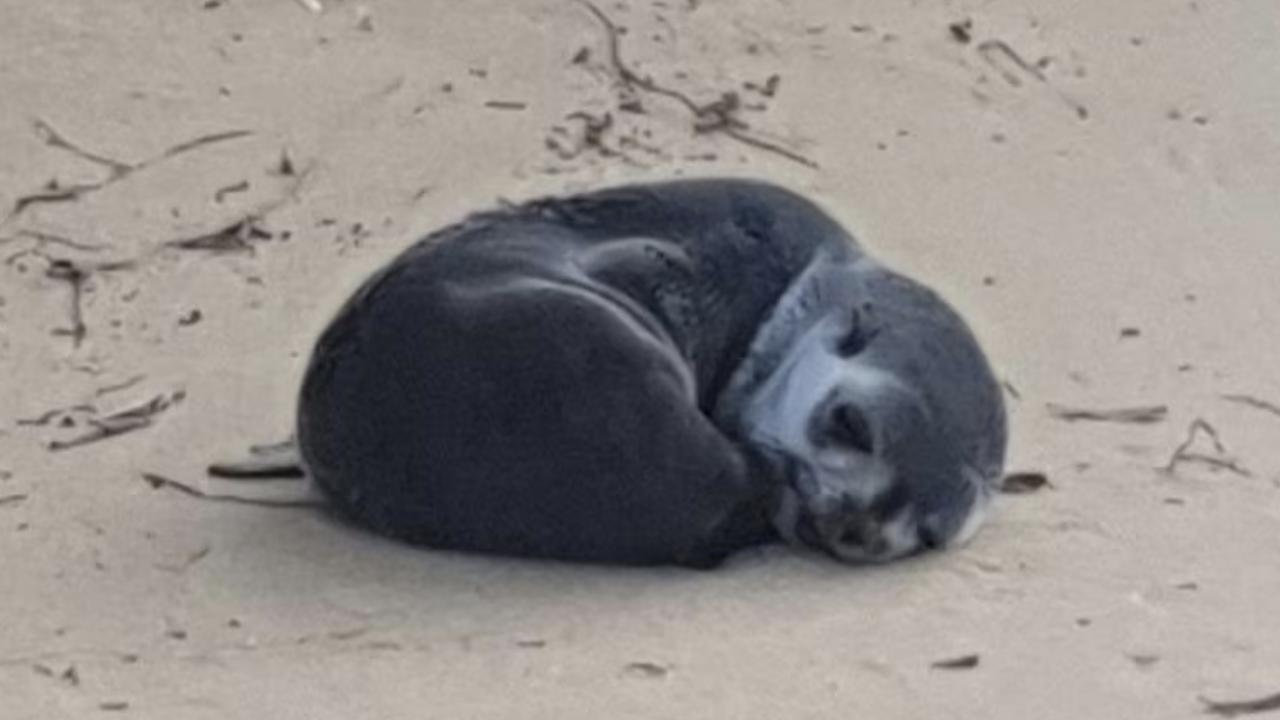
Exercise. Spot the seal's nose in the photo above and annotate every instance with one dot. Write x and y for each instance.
(852, 534)
(930, 537)
(849, 427)
(863, 535)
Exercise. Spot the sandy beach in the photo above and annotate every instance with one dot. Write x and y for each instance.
(189, 189)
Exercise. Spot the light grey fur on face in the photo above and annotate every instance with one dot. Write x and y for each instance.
(834, 481)
(810, 378)
(859, 504)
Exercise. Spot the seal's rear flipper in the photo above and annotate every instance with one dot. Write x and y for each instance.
(265, 462)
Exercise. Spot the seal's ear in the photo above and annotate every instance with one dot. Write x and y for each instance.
(279, 460)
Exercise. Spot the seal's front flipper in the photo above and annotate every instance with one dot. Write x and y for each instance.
(265, 462)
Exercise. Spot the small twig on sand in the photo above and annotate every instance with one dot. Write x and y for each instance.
(194, 143)
(116, 170)
(86, 266)
(221, 193)
(643, 668)
(48, 416)
(12, 499)
(123, 385)
(236, 236)
(75, 276)
(1253, 402)
(1197, 426)
(1143, 415)
(157, 482)
(44, 238)
(1232, 708)
(594, 131)
(187, 562)
(993, 50)
(719, 115)
(54, 194)
(231, 238)
(1021, 483)
(54, 139)
(963, 662)
(119, 423)
(767, 146)
(1184, 454)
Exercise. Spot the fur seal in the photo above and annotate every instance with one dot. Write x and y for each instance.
(648, 374)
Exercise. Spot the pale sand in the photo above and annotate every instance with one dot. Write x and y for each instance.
(1121, 592)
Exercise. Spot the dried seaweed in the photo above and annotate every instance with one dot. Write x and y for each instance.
(717, 116)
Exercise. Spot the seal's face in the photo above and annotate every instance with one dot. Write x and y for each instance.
(887, 425)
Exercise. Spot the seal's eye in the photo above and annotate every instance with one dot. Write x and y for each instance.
(855, 339)
(848, 427)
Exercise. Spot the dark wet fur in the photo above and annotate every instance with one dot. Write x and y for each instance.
(535, 424)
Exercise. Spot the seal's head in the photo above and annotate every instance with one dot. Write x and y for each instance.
(873, 400)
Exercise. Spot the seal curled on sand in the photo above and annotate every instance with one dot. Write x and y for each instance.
(659, 373)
